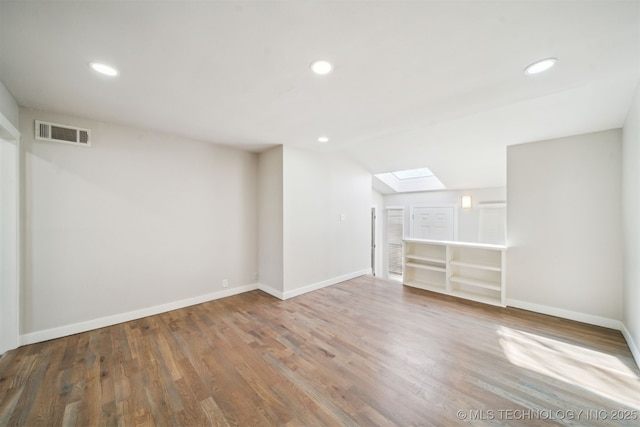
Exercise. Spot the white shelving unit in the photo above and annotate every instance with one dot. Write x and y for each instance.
(473, 271)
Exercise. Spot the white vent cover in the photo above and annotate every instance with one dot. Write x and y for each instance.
(62, 133)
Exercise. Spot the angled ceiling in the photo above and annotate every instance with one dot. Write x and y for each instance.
(417, 83)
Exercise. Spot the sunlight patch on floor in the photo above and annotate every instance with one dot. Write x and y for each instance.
(596, 372)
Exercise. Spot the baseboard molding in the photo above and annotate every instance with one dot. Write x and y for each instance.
(76, 328)
(633, 346)
(324, 284)
(63, 331)
(566, 314)
(271, 291)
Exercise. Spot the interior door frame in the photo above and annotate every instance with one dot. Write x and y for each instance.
(10, 246)
(374, 246)
(455, 216)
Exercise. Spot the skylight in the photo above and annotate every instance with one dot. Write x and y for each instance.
(413, 173)
(421, 179)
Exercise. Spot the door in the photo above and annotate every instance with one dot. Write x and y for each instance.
(432, 223)
(493, 227)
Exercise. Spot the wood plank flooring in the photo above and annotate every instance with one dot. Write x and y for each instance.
(361, 353)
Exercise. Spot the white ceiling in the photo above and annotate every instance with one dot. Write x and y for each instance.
(416, 83)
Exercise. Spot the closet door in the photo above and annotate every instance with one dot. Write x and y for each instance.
(493, 224)
(432, 223)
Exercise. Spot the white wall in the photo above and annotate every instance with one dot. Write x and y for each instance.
(8, 106)
(564, 227)
(319, 247)
(137, 220)
(270, 207)
(631, 223)
(9, 244)
(468, 219)
(9, 221)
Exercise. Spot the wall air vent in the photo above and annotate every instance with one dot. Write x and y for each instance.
(62, 133)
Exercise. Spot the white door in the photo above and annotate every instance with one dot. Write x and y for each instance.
(432, 223)
(493, 227)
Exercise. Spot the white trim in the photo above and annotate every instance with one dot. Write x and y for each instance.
(635, 350)
(566, 314)
(457, 243)
(325, 283)
(102, 322)
(271, 291)
(374, 238)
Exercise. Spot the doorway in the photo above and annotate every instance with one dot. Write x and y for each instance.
(394, 236)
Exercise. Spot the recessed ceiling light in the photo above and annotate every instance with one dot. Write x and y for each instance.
(321, 67)
(540, 66)
(105, 69)
(323, 139)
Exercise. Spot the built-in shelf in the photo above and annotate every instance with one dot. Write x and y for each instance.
(473, 271)
(426, 266)
(426, 259)
(475, 282)
(476, 297)
(429, 286)
(479, 266)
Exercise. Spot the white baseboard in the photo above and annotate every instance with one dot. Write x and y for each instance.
(310, 288)
(325, 283)
(62, 331)
(633, 346)
(581, 317)
(271, 291)
(566, 314)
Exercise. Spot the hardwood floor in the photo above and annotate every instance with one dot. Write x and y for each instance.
(363, 352)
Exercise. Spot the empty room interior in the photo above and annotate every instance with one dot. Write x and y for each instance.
(312, 213)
